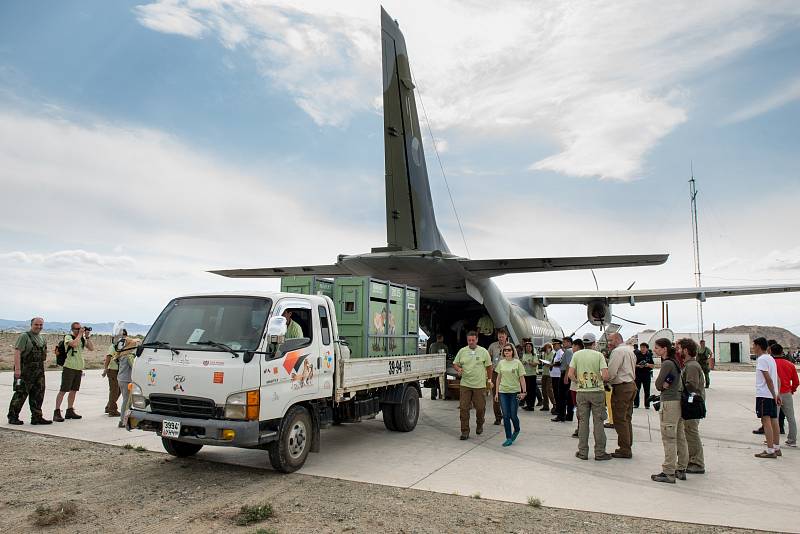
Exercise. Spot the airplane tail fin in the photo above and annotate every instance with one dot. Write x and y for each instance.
(410, 218)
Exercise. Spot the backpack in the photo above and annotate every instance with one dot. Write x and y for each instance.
(62, 350)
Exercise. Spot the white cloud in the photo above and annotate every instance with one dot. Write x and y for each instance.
(602, 80)
(68, 258)
(114, 220)
(777, 99)
(171, 17)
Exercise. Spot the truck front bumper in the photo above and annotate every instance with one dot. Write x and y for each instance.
(205, 431)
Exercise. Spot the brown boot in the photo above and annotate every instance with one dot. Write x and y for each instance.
(71, 414)
(57, 416)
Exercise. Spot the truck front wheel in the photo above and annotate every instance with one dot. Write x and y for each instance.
(407, 412)
(289, 452)
(179, 448)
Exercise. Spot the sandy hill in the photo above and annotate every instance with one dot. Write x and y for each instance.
(781, 335)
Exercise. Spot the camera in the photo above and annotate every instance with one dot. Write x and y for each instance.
(655, 401)
(87, 328)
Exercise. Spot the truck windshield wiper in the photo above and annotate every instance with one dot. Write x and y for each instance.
(158, 345)
(218, 345)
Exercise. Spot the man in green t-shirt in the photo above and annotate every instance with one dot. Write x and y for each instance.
(75, 342)
(30, 352)
(590, 371)
(293, 330)
(474, 366)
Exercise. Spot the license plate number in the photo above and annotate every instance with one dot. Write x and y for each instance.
(171, 429)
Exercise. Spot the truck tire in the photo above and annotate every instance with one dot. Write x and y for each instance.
(388, 416)
(407, 412)
(179, 448)
(289, 452)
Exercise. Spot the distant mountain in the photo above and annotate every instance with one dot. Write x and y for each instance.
(134, 329)
(781, 335)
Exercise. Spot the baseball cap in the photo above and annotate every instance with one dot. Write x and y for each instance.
(588, 337)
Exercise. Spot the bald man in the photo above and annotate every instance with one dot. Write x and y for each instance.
(622, 377)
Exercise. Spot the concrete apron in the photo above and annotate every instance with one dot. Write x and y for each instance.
(737, 490)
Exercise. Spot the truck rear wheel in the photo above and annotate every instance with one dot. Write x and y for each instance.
(289, 452)
(407, 412)
(388, 416)
(179, 448)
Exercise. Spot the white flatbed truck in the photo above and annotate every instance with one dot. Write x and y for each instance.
(220, 370)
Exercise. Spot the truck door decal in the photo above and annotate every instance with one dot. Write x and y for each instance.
(299, 368)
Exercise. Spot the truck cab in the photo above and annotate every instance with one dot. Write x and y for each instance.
(257, 370)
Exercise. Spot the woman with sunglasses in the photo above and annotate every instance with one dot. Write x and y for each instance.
(509, 390)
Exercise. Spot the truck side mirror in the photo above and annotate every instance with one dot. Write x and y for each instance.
(277, 326)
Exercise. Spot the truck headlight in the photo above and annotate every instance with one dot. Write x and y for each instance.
(137, 398)
(243, 405)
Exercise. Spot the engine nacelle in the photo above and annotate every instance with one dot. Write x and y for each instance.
(598, 313)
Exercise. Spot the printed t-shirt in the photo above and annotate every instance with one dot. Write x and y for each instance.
(510, 371)
(588, 364)
(766, 363)
(531, 363)
(112, 363)
(473, 363)
(74, 356)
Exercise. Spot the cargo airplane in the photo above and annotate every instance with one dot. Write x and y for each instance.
(455, 288)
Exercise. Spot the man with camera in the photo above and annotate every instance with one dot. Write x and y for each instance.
(694, 380)
(75, 342)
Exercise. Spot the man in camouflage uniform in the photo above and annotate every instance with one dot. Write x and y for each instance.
(706, 360)
(30, 352)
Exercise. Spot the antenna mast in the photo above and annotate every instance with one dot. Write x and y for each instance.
(696, 246)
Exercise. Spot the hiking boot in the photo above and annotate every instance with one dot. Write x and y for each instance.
(41, 421)
(778, 452)
(479, 430)
(765, 454)
(602, 457)
(113, 414)
(693, 470)
(575, 434)
(617, 454)
(581, 456)
(608, 425)
(57, 416)
(680, 474)
(663, 477)
(106, 410)
(544, 409)
(71, 414)
(497, 422)
(557, 419)
(120, 425)
(759, 430)
(15, 421)
(464, 435)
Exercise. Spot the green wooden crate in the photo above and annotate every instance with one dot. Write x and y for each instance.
(376, 317)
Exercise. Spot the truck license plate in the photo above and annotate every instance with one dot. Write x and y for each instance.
(171, 429)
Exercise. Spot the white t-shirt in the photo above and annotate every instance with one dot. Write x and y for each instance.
(766, 363)
(555, 371)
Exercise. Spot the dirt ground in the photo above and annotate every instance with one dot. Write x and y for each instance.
(113, 489)
(94, 358)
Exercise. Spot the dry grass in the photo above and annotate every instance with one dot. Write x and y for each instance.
(45, 516)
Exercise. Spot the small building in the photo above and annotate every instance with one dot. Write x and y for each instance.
(729, 348)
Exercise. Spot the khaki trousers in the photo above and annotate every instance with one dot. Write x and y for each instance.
(591, 402)
(467, 398)
(691, 429)
(547, 393)
(622, 407)
(673, 437)
(113, 390)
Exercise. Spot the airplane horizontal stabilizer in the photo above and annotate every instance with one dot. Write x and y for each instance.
(490, 268)
(657, 295)
(278, 272)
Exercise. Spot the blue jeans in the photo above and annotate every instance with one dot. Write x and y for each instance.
(509, 404)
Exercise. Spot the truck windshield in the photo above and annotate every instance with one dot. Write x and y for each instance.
(187, 323)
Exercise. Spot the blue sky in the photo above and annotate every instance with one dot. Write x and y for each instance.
(145, 142)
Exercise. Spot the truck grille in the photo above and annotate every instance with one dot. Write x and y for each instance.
(193, 407)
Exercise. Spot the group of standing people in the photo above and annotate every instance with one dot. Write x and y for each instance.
(30, 354)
